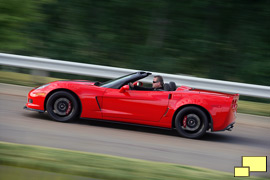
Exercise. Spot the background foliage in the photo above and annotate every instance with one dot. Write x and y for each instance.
(225, 39)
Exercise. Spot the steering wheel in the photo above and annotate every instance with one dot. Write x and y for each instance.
(137, 83)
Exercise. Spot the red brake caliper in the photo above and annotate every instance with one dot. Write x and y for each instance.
(69, 108)
(185, 122)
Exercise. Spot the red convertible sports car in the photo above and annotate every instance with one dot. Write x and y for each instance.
(190, 111)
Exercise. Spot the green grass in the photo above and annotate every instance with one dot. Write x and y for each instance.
(249, 107)
(255, 108)
(18, 173)
(24, 79)
(100, 166)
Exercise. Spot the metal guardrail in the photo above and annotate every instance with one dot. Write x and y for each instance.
(44, 64)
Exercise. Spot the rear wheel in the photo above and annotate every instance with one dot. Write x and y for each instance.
(62, 106)
(191, 122)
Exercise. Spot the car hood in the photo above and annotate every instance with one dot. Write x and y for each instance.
(82, 82)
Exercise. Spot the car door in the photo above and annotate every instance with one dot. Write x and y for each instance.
(134, 105)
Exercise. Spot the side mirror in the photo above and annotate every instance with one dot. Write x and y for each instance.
(124, 88)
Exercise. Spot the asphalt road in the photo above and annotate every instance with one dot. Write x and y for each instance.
(219, 151)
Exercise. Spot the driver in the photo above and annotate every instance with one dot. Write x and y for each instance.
(158, 84)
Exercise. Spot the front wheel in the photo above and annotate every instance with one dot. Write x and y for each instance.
(62, 106)
(191, 122)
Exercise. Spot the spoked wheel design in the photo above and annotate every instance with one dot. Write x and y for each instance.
(62, 106)
(191, 122)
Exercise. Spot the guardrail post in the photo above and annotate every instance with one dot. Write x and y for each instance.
(39, 76)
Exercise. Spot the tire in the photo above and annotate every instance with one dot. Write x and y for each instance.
(62, 106)
(191, 122)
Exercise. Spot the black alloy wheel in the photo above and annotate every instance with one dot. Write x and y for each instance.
(191, 122)
(62, 106)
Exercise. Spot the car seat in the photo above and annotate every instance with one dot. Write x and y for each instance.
(166, 87)
(172, 86)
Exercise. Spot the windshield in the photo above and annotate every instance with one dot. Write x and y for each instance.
(119, 82)
(113, 82)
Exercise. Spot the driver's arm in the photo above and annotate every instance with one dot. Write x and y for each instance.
(143, 88)
(132, 87)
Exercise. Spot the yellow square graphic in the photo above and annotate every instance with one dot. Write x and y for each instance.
(241, 171)
(257, 164)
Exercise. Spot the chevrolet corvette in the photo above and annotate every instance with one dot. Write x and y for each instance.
(190, 111)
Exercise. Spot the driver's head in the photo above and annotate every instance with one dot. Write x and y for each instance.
(157, 82)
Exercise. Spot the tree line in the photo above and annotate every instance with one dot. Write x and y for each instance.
(225, 39)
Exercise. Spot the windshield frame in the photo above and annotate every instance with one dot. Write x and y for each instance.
(123, 80)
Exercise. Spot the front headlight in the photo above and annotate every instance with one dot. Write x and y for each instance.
(43, 86)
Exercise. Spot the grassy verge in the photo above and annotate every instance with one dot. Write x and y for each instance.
(24, 79)
(248, 107)
(100, 166)
(255, 108)
(18, 173)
